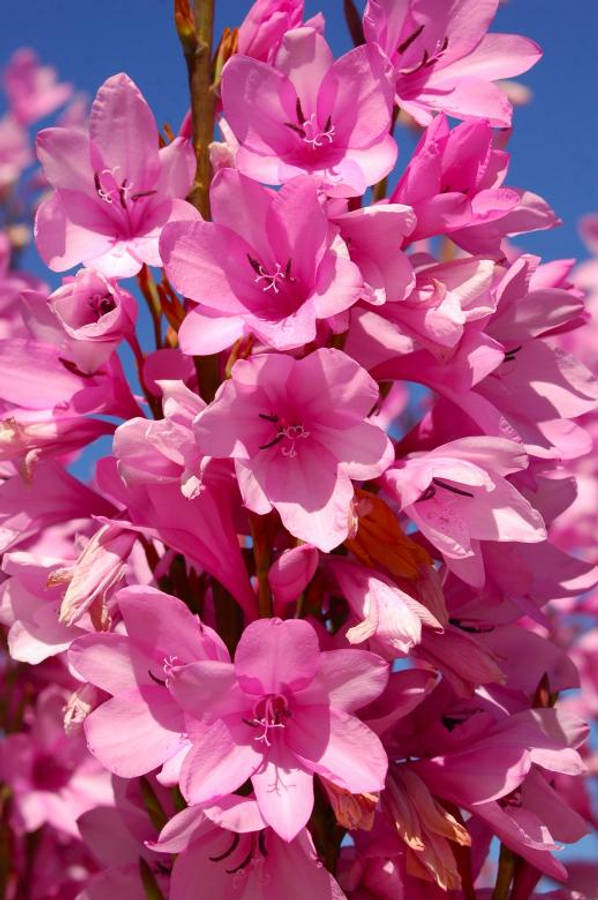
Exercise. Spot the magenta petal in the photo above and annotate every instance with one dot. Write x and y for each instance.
(109, 661)
(124, 130)
(202, 334)
(353, 756)
(284, 792)
(217, 765)
(207, 689)
(274, 655)
(135, 732)
(64, 154)
(194, 254)
(352, 678)
(164, 627)
(257, 101)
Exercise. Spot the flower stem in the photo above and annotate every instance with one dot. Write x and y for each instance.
(506, 870)
(195, 31)
(261, 554)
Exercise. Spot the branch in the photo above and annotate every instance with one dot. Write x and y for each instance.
(195, 32)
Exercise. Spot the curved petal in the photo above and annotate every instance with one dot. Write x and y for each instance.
(124, 130)
(275, 655)
(284, 792)
(135, 732)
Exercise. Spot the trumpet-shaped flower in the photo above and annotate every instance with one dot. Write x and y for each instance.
(311, 113)
(114, 190)
(298, 432)
(457, 494)
(267, 265)
(281, 713)
(445, 60)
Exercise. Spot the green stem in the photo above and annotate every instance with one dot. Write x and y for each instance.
(506, 870)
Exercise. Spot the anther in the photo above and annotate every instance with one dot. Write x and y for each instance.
(449, 487)
(511, 354)
(228, 852)
(408, 41)
(245, 861)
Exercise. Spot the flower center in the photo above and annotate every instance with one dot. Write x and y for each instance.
(269, 713)
(309, 129)
(316, 136)
(101, 304)
(49, 774)
(270, 281)
(287, 434)
(111, 191)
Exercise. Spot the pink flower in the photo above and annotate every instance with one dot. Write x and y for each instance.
(94, 309)
(267, 265)
(32, 89)
(264, 26)
(445, 60)
(374, 235)
(161, 451)
(457, 495)
(228, 849)
(298, 432)
(388, 618)
(52, 777)
(15, 152)
(114, 190)
(99, 568)
(281, 713)
(454, 182)
(141, 726)
(292, 571)
(311, 113)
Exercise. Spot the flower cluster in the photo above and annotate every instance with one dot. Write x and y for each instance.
(306, 631)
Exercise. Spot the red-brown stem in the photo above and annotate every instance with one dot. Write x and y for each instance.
(261, 553)
(197, 47)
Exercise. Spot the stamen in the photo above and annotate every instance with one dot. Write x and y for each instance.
(157, 680)
(299, 112)
(268, 418)
(122, 194)
(141, 194)
(254, 263)
(408, 41)
(471, 629)
(427, 494)
(510, 354)
(296, 128)
(273, 442)
(228, 852)
(261, 841)
(449, 487)
(246, 859)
